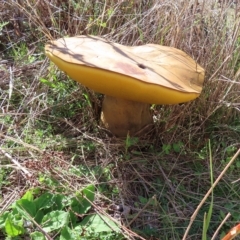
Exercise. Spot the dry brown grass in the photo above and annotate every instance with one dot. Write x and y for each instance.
(175, 182)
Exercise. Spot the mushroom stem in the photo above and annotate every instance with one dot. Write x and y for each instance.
(122, 117)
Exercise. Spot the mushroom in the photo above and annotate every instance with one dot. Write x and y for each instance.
(131, 77)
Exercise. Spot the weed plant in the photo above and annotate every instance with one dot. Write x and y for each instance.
(52, 146)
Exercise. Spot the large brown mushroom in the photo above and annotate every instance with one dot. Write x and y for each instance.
(131, 77)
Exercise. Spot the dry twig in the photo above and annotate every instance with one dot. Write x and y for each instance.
(23, 169)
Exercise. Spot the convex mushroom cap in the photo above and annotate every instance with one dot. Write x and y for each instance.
(150, 73)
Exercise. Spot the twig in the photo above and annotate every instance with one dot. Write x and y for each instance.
(220, 226)
(37, 225)
(24, 170)
(11, 81)
(167, 181)
(20, 142)
(215, 73)
(208, 193)
(7, 201)
(149, 201)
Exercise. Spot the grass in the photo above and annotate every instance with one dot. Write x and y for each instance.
(51, 143)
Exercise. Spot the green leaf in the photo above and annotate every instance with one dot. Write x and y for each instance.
(24, 205)
(131, 141)
(53, 201)
(3, 218)
(38, 236)
(98, 223)
(204, 234)
(238, 164)
(87, 98)
(44, 201)
(89, 192)
(166, 148)
(55, 220)
(207, 216)
(82, 202)
(13, 228)
(47, 82)
(39, 216)
(143, 200)
(60, 201)
(177, 147)
(73, 218)
(28, 195)
(67, 234)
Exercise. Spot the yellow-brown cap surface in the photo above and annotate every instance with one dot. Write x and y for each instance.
(150, 73)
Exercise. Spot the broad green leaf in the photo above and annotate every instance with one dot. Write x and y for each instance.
(98, 223)
(44, 201)
(39, 216)
(55, 220)
(67, 234)
(59, 202)
(3, 218)
(48, 200)
(73, 218)
(13, 228)
(89, 192)
(24, 205)
(77, 207)
(15, 213)
(28, 195)
(82, 202)
(38, 236)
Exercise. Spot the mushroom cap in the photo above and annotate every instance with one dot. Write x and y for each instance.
(149, 73)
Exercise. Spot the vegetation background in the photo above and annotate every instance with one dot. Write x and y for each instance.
(51, 143)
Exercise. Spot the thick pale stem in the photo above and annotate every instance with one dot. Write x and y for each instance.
(122, 117)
